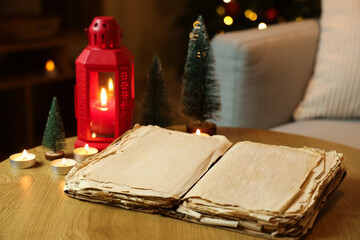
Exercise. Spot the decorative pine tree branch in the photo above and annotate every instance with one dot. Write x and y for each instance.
(200, 97)
(54, 134)
(156, 109)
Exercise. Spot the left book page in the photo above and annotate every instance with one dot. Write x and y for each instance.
(148, 168)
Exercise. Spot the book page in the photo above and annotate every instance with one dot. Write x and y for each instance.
(257, 177)
(155, 159)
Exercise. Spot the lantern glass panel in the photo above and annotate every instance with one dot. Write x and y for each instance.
(102, 104)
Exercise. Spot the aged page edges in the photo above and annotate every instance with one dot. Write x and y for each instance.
(311, 175)
(148, 166)
(254, 190)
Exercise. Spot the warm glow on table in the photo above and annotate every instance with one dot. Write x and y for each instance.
(35, 206)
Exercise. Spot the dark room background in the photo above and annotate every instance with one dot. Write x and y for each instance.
(34, 31)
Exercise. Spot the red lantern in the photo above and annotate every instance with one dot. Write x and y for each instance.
(104, 90)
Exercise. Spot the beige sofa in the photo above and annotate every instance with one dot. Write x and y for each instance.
(263, 76)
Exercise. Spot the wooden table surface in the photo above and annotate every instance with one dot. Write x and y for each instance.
(34, 206)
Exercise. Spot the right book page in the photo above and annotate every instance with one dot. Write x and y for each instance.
(264, 190)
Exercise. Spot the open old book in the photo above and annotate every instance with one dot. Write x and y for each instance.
(263, 190)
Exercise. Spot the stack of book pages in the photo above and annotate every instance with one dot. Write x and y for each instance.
(146, 169)
(264, 190)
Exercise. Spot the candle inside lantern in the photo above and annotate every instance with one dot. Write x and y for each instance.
(82, 153)
(103, 114)
(103, 100)
(22, 160)
(62, 166)
(199, 133)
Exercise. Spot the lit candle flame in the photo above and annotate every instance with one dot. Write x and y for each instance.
(24, 154)
(50, 65)
(103, 98)
(111, 85)
(198, 132)
(64, 161)
(86, 147)
(93, 135)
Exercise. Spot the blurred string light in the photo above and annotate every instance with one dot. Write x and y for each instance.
(262, 26)
(247, 13)
(197, 24)
(226, 1)
(228, 20)
(220, 10)
(251, 15)
(192, 35)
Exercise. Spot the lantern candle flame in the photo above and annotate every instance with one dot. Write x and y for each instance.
(103, 98)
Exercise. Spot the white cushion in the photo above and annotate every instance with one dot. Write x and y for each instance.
(334, 90)
(254, 67)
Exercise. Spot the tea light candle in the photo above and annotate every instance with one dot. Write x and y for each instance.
(200, 133)
(82, 153)
(62, 166)
(22, 160)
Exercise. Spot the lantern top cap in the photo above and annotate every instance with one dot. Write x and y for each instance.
(104, 32)
(104, 23)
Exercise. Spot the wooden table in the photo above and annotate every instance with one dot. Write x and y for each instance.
(34, 206)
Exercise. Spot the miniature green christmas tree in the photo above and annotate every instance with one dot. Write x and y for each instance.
(156, 110)
(54, 135)
(200, 97)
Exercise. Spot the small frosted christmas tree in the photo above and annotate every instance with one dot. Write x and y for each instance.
(54, 134)
(156, 109)
(200, 97)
